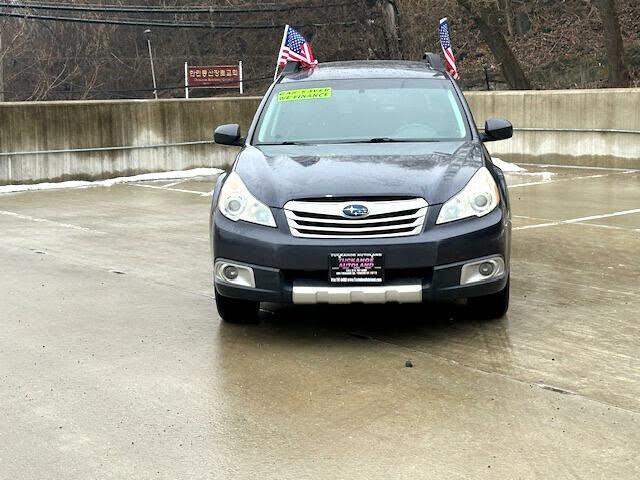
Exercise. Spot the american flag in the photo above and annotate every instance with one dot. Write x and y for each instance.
(295, 48)
(445, 41)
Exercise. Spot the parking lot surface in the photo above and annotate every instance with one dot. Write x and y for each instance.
(115, 364)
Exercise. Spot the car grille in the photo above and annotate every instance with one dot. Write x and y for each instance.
(321, 219)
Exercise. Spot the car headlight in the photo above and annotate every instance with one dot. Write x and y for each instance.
(237, 203)
(478, 198)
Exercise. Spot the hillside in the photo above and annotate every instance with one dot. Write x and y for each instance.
(559, 44)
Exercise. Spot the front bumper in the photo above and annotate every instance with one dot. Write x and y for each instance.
(417, 268)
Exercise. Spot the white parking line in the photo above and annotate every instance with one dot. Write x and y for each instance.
(567, 179)
(50, 222)
(532, 218)
(195, 192)
(169, 185)
(577, 167)
(596, 225)
(578, 220)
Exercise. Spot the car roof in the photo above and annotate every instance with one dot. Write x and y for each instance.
(364, 69)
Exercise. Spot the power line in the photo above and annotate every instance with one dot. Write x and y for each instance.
(113, 56)
(161, 24)
(141, 90)
(189, 9)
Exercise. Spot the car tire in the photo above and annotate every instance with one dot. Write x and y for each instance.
(489, 307)
(232, 310)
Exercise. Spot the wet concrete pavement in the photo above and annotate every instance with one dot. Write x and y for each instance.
(114, 363)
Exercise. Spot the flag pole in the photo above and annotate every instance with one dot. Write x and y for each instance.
(284, 39)
(186, 80)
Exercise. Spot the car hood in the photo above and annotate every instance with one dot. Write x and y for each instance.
(433, 171)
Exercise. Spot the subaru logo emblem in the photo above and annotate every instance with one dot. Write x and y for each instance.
(355, 211)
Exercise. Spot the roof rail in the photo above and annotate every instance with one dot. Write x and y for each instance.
(434, 61)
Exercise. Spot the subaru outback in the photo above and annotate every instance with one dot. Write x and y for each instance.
(362, 182)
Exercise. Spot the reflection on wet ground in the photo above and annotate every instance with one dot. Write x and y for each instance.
(114, 363)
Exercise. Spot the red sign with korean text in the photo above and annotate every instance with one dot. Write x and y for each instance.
(216, 76)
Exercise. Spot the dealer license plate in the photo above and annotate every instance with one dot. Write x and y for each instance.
(360, 268)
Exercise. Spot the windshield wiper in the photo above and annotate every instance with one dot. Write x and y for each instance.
(381, 140)
(340, 142)
(285, 143)
(393, 140)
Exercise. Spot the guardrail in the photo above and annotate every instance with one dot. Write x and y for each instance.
(577, 130)
(105, 149)
(211, 142)
(116, 138)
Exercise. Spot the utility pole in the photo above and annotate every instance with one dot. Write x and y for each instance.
(1, 70)
(147, 34)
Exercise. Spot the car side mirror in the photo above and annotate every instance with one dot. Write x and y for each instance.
(497, 129)
(228, 135)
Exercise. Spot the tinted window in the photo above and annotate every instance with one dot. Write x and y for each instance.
(361, 110)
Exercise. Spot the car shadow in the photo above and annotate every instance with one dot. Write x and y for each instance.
(447, 331)
(394, 323)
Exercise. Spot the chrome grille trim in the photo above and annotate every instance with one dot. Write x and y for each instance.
(399, 218)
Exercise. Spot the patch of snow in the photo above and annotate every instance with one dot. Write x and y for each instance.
(507, 166)
(145, 177)
(546, 176)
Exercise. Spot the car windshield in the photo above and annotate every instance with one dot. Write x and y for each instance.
(363, 110)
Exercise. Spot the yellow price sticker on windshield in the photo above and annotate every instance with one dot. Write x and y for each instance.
(304, 94)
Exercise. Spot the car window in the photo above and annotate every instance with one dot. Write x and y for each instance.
(361, 110)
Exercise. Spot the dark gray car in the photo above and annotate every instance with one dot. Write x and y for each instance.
(362, 182)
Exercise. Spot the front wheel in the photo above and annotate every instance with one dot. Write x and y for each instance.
(232, 310)
(492, 306)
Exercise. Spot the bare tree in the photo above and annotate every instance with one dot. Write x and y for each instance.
(485, 16)
(10, 35)
(56, 60)
(618, 72)
(507, 7)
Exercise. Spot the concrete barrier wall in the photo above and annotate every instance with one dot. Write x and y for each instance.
(121, 137)
(581, 127)
(575, 127)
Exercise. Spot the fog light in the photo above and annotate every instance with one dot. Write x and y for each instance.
(486, 268)
(230, 272)
(234, 274)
